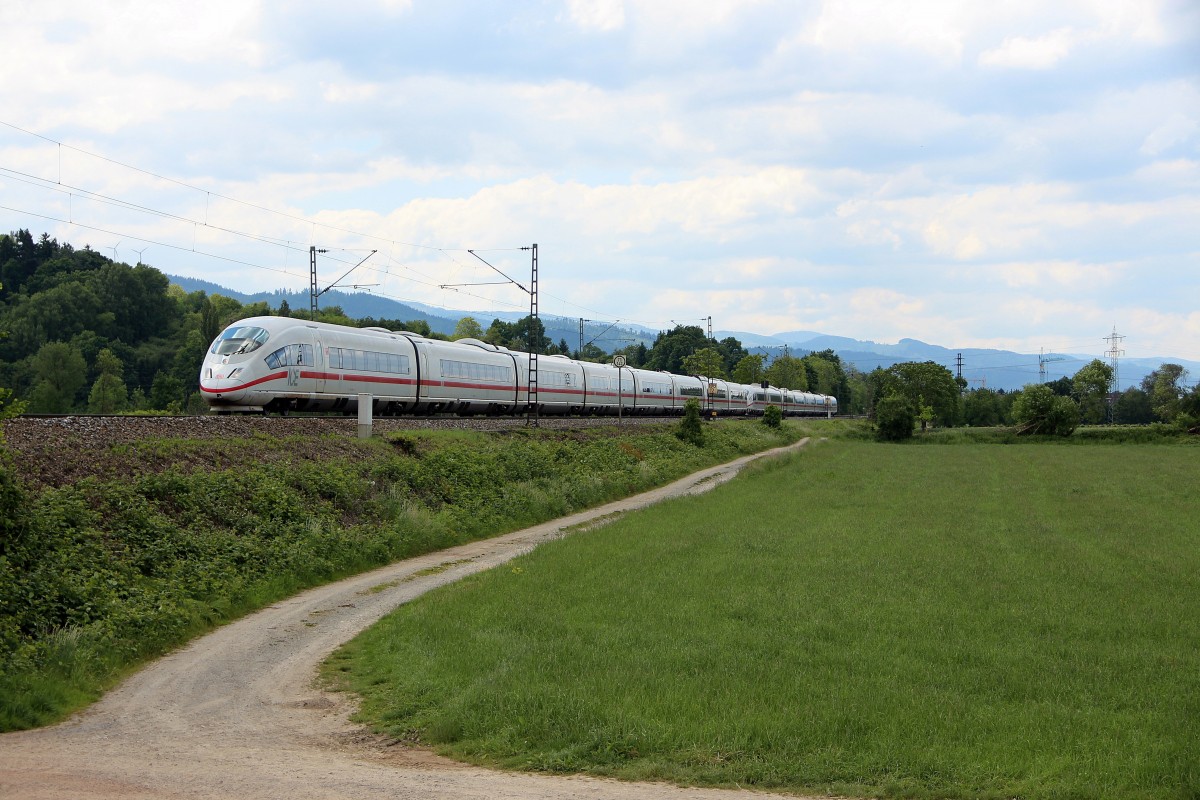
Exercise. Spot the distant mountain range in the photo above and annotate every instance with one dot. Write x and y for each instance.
(997, 369)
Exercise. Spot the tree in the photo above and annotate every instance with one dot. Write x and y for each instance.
(732, 352)
(823, 375)
(1038, 410)
(285, 308)
(894, 418)
(1090, 389)
(529, 335)
(981, 408)
(60, 372)
(592, 352)
(926, 383)
(467, 328)
(671, 348)
(165, 391)
(210, 321)
(188, 359)
(749, 369)
(706, 362)
(499, 333)
(787, 372)
(1163, 386)
(108, 394)
(1133, 407)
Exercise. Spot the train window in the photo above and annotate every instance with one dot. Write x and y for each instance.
(292, 355)
(485, 372)
(242, 339)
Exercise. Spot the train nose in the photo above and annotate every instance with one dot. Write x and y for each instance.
(222, 385)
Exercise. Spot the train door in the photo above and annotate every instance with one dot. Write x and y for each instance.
(317, 368)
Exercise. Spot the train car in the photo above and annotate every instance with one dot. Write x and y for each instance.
(470, 377)
(561, 388)
(281, 364)
(601, 383)
(716, 396)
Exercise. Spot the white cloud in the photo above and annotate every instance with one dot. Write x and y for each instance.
(934, 28)
(1176, 129)
(1021, 52)
(1072, 275)
(597, 15)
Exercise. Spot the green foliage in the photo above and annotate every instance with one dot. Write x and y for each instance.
(670, 348)
(975, 622)
(1038, 410)
(787, 372)
(1133, 408)
(10, 406)
(467, 328)
(921, 384)
(772, 416)
(100, 575)
(1090, 389)
(894, 418)
(705, 362)
(984, 408)
(749, 369)
(1163, 387)
(166, 392)
(690, 429)
(54, 294)
(60, 372)
(108, 394)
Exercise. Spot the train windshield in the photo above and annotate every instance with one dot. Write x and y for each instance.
(242, 339)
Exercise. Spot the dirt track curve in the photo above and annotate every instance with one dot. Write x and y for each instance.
(235, 714)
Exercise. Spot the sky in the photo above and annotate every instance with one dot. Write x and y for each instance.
(1021, 175)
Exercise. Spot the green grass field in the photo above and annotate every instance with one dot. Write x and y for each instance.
(860, 619)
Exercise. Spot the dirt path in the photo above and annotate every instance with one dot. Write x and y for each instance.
(235, 714)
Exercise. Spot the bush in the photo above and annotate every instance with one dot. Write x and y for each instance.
(772, 417)
(894, 419)
(690, 430)
(1038, 410)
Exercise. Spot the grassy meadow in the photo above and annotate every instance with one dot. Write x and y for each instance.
(860, 619)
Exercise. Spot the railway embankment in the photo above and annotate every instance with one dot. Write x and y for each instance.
(125, 537)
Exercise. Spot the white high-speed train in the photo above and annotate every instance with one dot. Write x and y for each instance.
(281, 364)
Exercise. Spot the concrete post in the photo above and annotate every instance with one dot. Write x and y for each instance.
(364, 416)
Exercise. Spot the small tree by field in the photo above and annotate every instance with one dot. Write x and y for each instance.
(772, 416)
(1038, 410)
(894, 418)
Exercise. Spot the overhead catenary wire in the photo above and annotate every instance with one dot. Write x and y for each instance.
(72, 190)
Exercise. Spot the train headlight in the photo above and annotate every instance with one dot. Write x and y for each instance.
(234, 374)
